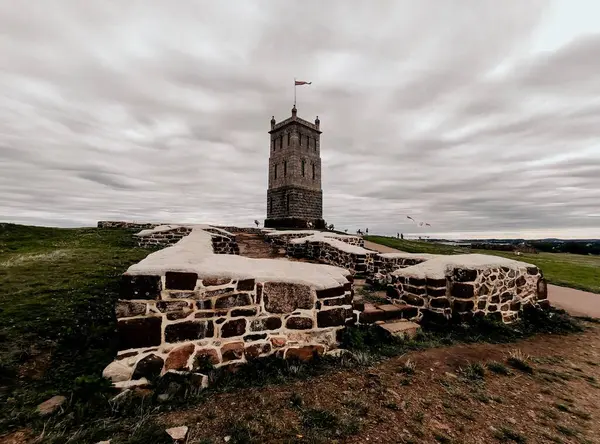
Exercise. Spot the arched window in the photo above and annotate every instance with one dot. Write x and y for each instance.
(280, 142)
(300, 137)
(275, 172)
(284, 168)
(313, 169)
(303, 165)
(288, 139)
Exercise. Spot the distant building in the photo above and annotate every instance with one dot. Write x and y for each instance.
(294, 195)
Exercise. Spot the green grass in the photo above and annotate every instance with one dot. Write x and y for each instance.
(57, 297)
(568, 270)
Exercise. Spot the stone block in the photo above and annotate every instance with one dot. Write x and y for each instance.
(205, 355)
(436, 282)
(278, 342)
(255, 337)
(266, 323)
(299, 323)
(188, 331)
(304, 353)
(418, 282)
(254, 351)
(140, 286)
(412, 299)
(218, 292)
(464, 275)
(232, 351)
(127, 309)
(234, 300)
(402, 329)
(139, 332)
(178, 358)
(330, 292)
(204, 304)
(462, 306)
(506, 296)
(175, 280)
(148, 367)
(174, 316)
(235, 327)
(436, 292)
(244, 312)
(331, 318)
(334, 301)
(391, 311)
(214, 281)
(532, 270)
(169, 306)
(414, 290)
(280, 297)
(521, 281)
(442, 302)
(542, 289)
(463, 291)
(246, 285)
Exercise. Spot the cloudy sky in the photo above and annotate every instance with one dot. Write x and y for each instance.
(480, 117)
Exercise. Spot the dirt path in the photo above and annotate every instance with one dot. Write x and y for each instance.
(438, 401)
(254, 246)
(576, 302)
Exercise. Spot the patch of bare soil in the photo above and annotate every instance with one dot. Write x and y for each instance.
(456, 394)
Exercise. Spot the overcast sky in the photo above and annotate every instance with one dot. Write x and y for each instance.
(480, 117)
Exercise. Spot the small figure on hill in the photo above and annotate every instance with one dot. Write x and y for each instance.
(309, 224)
(367, 231)
(397, 235)
(401, 235)
(331, 227)
(346, 230)
(359, 232)
(257, 223)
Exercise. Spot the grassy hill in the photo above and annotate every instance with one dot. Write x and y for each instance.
(569, 270)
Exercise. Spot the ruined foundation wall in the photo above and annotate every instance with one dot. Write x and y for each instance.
(329, 253)
(176, 321)
(127, 225)
(497, 292)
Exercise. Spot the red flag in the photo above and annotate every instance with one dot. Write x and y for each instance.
(300, 82)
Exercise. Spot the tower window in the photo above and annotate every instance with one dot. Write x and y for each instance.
(300, 137)
(288, 139)
(281, 142)
(303, 165)
(307, 142)
(270, 204)
(285, 168)
(275, 172)
(313, 170)
(287, 202)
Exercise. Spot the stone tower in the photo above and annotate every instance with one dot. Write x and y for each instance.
(295, 197)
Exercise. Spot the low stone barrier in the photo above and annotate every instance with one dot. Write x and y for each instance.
(184, 305)
(127, 225)
(281, 238)
(467, 286)
(168, 235)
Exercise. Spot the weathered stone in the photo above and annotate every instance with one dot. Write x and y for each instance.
(439, 302)
(492, 308)
(413, 300)
(167, 306)
(218, 292)
(436, 282)
(204, 304)
(213, 281)
(481, 305)
(506, 296)
(232, 351)
(243, 312)
(255, 350)
(392, 292)
(521, 281)
(461, 306)
(334, 301)
(246, 285)
(140, 287)
(415, 290)
(278, 342)
(280, 297)
(464, 275)
(464, 291)
(149, 367)
(178, 434)
(126, 309)
(542, 289)
(504, 307)
(436, 292)
(175, 280)
(139, 332)
(117, 371)
(174, 316)
(299, 323)
(188, 331)
(266, 323)
(259, 292)
(484, 290)
(255, 337)
(401, 329)
(235, 327)
(515, 306)
(532, 270)
(178, 358)
(330, 292)
(234, 300)
(331, 318)
(304, 353)
(202, 355)
(189, 294)
(51, 405)
(495, 299)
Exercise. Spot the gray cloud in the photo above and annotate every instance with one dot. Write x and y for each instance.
(147, 111)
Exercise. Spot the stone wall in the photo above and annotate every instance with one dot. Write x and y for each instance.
(294, 202)
(176, 321)
(495, 291)
(333, 252)
(225, 244)
(281, 238)
(163, 238)
(127, 225)
(249, 230)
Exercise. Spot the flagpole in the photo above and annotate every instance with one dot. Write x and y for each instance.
(294, 92)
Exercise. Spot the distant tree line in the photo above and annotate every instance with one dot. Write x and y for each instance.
(574, 247)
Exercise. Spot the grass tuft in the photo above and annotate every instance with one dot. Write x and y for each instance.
(519, 361)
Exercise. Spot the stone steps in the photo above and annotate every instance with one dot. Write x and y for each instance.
(373, 313)
(402, 328)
